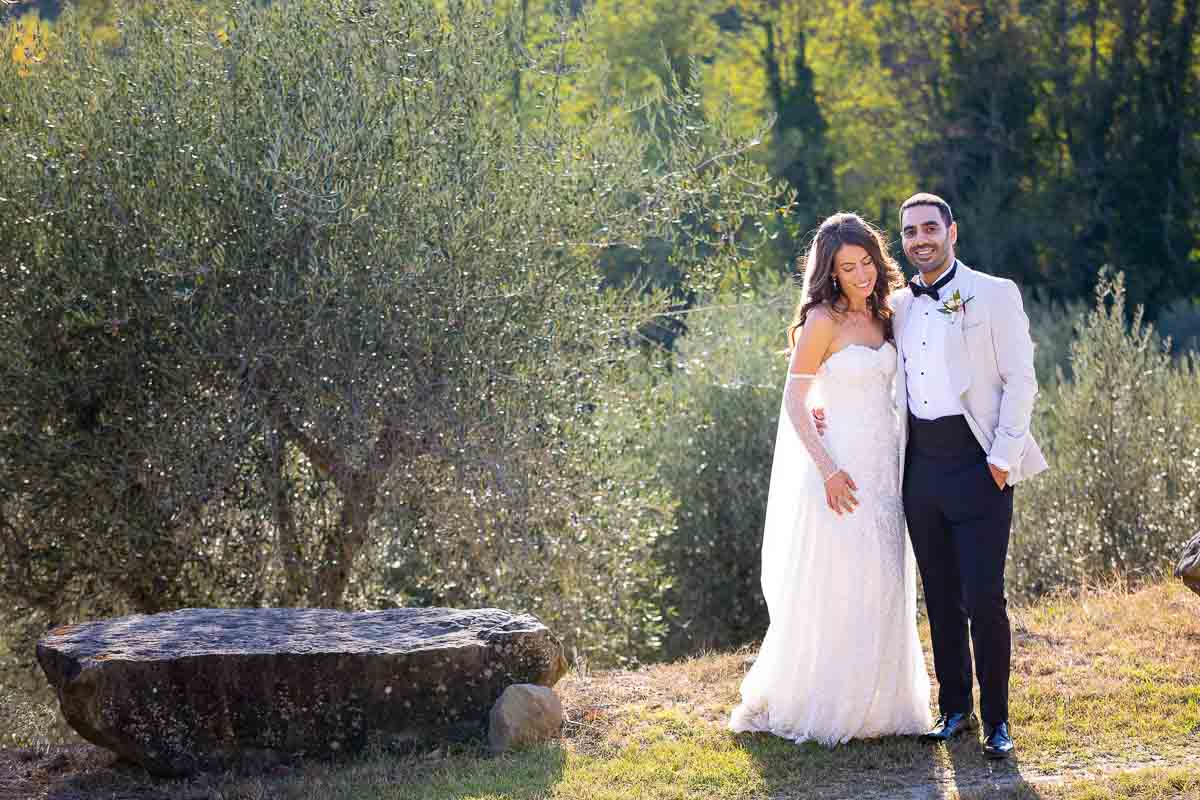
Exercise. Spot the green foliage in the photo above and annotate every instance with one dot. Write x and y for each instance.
(294, 313)
(869, 128)
(705, 428)
(645, 47)
(1180, 321)
(567, 531)
(1123, 441)
(333, 302)
(1062, 133)
(1052, 325)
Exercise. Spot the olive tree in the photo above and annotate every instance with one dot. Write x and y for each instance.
(293, 311)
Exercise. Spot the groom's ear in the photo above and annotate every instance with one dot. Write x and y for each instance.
(954, 232)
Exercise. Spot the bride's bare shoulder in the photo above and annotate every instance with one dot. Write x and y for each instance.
(812, 339)
(822, 315)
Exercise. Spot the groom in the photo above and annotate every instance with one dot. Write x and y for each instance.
(966, 386)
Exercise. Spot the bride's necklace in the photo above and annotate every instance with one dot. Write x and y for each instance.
(857, 317)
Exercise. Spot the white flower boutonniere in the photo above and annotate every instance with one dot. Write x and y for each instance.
(954, 304)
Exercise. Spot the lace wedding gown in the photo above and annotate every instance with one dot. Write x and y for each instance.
(841, 659)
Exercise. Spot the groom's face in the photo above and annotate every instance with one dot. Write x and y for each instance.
(928, 243)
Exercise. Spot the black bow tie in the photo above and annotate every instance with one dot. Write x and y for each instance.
(919, 289)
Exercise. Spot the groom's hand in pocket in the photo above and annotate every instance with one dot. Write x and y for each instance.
(1000, 476)
(819, 420)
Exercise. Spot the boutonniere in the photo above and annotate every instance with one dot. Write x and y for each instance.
(954, 304)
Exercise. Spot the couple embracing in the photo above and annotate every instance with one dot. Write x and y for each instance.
(904, 406)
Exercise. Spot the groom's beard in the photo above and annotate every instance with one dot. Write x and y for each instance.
(941, 258)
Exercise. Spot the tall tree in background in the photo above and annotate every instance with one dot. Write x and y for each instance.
(763, 64)
(1125, 109)
(967, 74)
(1065, 134)
(989, 146)
(800, 155)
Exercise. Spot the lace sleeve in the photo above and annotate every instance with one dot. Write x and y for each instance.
(795, 394)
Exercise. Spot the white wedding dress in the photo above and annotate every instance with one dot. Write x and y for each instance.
(841, 659)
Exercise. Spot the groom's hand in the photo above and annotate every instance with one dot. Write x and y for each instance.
(819, 420)
(839, 492)
(1000, 476)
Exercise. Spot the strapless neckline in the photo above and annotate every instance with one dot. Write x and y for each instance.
(882, 348)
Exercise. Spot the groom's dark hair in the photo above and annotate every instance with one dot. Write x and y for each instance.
(927, 199)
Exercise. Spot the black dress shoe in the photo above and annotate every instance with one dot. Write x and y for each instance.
(949, 726)
(997, 743)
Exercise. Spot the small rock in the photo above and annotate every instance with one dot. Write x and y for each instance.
(524, 714)
(1188, 567)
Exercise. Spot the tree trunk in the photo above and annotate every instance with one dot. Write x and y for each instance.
(342, 545)
(287, 542)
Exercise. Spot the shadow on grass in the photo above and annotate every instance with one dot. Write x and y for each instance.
(974, 777)
(888, 767)
(86, 772)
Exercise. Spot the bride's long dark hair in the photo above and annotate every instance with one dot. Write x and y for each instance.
(818, 267)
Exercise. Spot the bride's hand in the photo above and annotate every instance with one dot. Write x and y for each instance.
(839, 492)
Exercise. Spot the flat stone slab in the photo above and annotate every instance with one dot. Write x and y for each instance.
(197, 688)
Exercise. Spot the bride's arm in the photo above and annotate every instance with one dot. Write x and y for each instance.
(813, 342)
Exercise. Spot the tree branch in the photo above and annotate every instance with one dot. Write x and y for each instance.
(321, 457)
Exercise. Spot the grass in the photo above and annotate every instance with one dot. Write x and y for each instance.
(1105, 703)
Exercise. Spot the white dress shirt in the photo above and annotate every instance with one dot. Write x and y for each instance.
(930, 394)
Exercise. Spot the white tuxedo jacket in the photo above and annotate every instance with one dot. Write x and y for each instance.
(989, 356)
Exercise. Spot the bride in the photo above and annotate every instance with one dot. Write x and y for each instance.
(841, 659)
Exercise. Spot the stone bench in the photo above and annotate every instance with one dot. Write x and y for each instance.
(196, 688)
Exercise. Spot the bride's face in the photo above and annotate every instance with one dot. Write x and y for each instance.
(855, 272)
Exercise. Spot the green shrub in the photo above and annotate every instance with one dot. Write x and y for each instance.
(702, 425)
(566, 532)
(1180, 321)
(1123, 441)
(1052, 325)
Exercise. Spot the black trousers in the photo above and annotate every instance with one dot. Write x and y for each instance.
(959, 523)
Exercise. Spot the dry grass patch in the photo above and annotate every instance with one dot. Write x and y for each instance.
(703, 687)
(1108, 676)
(1155, 784)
